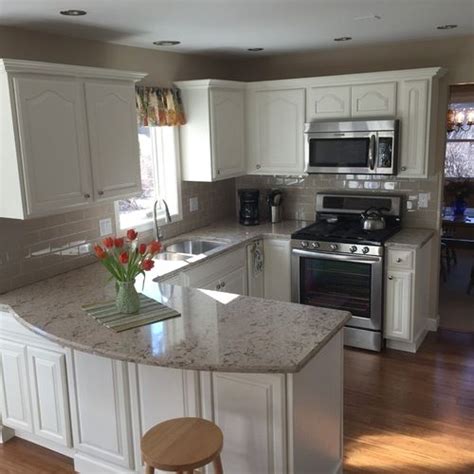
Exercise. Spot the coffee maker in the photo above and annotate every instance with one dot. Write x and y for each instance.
(248, 214)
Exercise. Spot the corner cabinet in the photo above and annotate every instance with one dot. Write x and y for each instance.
(68, 137)
(212, 140)
(275, 126)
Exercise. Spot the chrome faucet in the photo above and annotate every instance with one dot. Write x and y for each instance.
(158, 231)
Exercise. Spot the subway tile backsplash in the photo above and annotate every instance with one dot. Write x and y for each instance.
(36, 249)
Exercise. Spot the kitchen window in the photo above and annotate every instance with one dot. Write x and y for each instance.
(159, 164)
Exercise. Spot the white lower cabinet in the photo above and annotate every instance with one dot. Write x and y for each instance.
(49, 394)
(398, 305)
(277, 274)
(15, 400)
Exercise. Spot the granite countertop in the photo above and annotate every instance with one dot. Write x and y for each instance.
(232, 234)
(411, 238)
(216, 331)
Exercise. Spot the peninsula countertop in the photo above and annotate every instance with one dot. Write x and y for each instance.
(216, 331)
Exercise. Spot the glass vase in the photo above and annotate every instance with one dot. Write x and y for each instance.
(127, 301)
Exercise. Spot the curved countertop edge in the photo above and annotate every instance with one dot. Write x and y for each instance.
(297, 367)
(410, 238)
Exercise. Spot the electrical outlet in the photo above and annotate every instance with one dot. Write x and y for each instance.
(105, 226)
(193, 204)
(423, 199)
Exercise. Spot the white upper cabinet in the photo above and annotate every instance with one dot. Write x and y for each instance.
(112, 122)
(328, 102)
(275, 123)
(68, 136)
(374, 100)
(213, 139)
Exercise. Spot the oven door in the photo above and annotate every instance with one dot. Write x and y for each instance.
(341, 152)
(344, 282)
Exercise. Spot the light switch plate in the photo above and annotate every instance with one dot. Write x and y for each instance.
(423, 199)
(193, 204)
(105, 226)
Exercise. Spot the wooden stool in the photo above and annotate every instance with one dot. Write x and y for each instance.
(182, 445)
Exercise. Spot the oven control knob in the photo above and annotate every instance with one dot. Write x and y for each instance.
(365, 250)
(333, 246)
(304, 244)
(353, 249)
(315, 245)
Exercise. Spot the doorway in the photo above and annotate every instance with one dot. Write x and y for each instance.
(456, 295)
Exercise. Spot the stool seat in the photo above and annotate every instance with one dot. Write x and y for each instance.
(182, 444)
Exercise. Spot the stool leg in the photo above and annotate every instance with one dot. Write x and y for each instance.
(217, 463)
(149, 469)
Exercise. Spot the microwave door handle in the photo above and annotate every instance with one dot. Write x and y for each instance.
(372, 152)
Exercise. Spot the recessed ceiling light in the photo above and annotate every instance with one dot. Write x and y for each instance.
(73, 12)
(446, 27)
(166, 43)
(254, 50)
(343, 38)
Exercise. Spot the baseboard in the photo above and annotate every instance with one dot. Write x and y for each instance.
(32, 438)
(432, 324)
(84, 464)
(6, 434)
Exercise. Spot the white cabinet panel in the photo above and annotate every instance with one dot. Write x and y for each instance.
(235, 282)
(414, 110)
(111, 114)
(102, 408)
(398, 305)
(48, 384)
(250, 410)
(277, 270)
(228, 141)
(54, 146)
(275, 125)
(14, 399)
(328, 102)
(374, 100)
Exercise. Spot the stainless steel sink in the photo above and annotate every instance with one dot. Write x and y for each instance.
(175, 257)
(194, 247)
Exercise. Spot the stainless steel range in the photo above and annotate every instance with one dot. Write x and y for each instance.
(336, 263)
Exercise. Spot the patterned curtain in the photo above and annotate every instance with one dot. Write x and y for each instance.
(159, 107)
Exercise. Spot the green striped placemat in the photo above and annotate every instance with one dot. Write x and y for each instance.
(150, 312)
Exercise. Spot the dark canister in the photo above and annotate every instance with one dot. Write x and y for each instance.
(248, 214)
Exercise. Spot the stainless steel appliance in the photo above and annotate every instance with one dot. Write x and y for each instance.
(336, 263)
(358, 147)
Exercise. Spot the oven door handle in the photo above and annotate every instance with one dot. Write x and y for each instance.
(330, 256)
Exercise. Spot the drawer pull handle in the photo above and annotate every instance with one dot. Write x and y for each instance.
(399, 260)
(100, 193)
(258, 167)
(403, 168)
(87, 195)
(390, 277)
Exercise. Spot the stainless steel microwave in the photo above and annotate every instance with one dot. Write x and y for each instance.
(354, 147)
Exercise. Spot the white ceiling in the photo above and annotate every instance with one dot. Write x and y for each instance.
(232, 26)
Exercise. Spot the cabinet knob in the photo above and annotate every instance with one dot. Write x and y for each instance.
(100, 193)
(403, 168)
(390, 277)
(87, 195)
(223, 284)
(218, 171)
(258, 167)
(399, 260)
(218, 286)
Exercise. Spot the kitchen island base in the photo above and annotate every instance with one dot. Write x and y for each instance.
(272, 422)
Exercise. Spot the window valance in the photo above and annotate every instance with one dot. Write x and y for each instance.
(159, 107)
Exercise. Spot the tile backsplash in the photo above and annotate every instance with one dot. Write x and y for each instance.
(36, 249)
(299, 194)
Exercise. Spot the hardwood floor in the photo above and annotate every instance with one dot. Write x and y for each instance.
(404, 413)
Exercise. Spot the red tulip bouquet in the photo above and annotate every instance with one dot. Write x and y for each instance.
(125, 259)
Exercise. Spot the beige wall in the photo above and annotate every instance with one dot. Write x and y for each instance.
(35, 249)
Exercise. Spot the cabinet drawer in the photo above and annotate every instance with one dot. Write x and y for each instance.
(400, 259)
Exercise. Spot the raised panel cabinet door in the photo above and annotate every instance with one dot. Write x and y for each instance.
(398, 305)
(414, 113)
(49, 395)
(374, 100)
(53, 142)
(278, 134)
(235, 282)
(102, 408)
(113, 133)
(277, 273)
(328, 102)
(228, 140)
(251, 411)
(14, 389)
